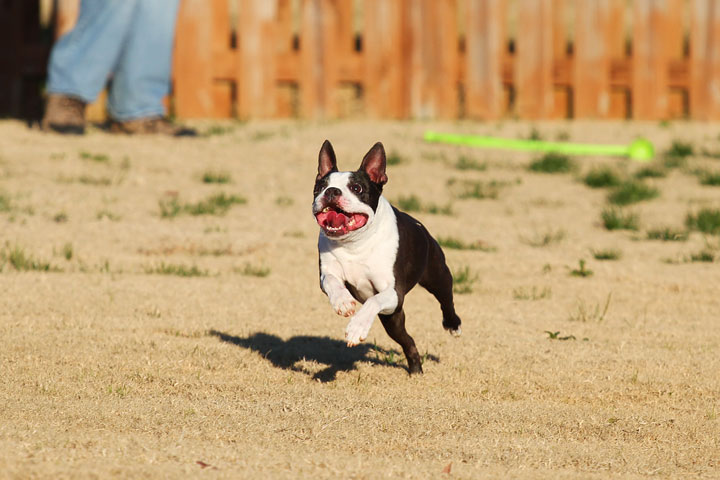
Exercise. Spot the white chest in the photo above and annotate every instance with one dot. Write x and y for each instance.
(368, 275)
(367, 263)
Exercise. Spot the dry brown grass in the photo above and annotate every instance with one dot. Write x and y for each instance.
(107, 371)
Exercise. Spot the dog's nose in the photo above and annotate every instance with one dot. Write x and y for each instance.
(332, 193)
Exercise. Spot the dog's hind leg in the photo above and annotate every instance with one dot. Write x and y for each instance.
(395, 327)
(438, 280)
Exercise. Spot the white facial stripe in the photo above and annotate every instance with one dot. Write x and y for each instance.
(339, 180)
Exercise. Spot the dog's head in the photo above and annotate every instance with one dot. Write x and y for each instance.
(345, 202)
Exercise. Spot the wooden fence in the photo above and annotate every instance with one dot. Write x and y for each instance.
(480, 59)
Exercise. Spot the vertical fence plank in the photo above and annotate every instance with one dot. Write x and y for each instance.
(592, 59)
(286, 61)
(434, 59)
(619, 60)
(256, 59)
(318, 75)
(193, 60)
(383, 35)
(561, 64)
(534, 64)
(650, 89)
(447, 55)
(705, 60)
(345, 28)
(222, 61)
(677, 66)
(484, 52)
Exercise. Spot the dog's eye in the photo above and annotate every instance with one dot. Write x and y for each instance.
(356, 188)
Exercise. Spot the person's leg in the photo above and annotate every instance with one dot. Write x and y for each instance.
(142, 74)
(81, 60)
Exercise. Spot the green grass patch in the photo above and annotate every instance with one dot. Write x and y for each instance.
(21, 261)
(595, 313)
(60, 217)
(552, 163)
(389, 357)
(709, 178)
(667, 234)
(95, 181)
(253, 271)
(477, 189)
(433, 156)
(676, 156)
(176, 269)
(107, 214)
(602, 177)
(5, 203)
(468, 163)
(679, 149)
(650, 171)
(632, 191)
(463, 280)
(284, 201)
(707, 220)
(413, 204)
(170, 207)
(703, 256)
(545, 238)
(607, 254)
(534, 293)
(556, 336)
(217, 204)
(394, 158)
(68, 251)
(94, 157)
(617, 219)
(216, 177)
(217, 130)
(453, 243)
(581, 271)
(260, 136)
(710, 153)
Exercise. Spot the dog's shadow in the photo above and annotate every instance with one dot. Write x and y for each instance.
(333, 353)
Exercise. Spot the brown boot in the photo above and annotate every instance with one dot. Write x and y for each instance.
(151, 125)
(64, 114)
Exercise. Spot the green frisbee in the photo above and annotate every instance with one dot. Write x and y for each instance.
(640, 150)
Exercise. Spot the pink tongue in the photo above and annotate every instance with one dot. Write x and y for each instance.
(336, 219)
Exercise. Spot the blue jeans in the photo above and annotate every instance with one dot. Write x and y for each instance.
(131, 40)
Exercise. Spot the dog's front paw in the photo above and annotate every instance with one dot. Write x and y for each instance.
(357, 329)
(344, 304)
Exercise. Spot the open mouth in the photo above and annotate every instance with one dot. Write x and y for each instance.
(336, 222)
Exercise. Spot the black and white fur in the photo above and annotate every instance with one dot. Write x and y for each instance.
(380, 262)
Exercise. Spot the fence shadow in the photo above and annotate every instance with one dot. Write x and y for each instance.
(323, 350)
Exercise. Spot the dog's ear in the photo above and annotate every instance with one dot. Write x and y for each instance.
(374, 164)
(326, 160)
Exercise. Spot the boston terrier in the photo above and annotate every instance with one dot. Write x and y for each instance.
(374, 254)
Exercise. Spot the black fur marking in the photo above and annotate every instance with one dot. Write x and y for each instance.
(370, 194)
(320, 185)
(419, 260)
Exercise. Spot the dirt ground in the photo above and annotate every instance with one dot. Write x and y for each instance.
(113, 366)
